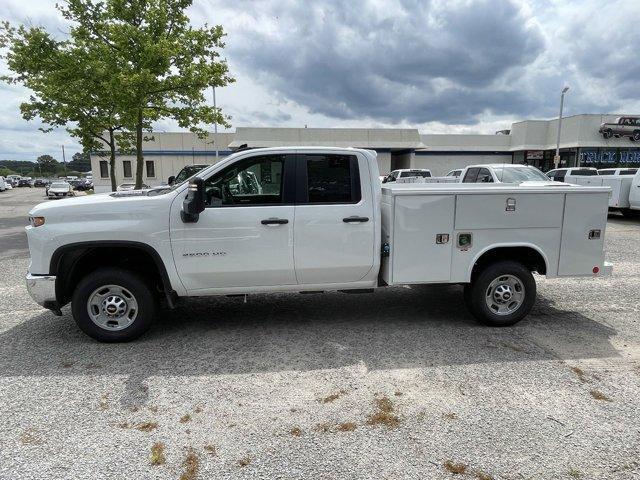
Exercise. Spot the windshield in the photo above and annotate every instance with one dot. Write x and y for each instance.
(415, 173)
(59, 185)
(188, 171)
(520, 174)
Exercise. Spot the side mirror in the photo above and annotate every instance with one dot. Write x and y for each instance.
(193, 203)
(385, 179)
(171, 180)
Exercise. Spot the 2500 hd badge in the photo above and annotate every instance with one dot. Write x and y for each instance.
(203, 254)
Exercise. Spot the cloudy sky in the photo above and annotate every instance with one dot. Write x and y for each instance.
(458, 66)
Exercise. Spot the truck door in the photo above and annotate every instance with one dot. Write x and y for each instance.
(334, 230)
(244, 238)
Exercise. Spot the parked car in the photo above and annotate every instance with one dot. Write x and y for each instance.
(59, 190)
(622, 127)
(125, 187)
(81, 185)
(115, 256)
(502, 173)
(25, 182)
(560, 174)
(40, 182)
(454, 173)
(3, 184)
(405, 173)
(186, 172)
(7, 184)
(617, 171)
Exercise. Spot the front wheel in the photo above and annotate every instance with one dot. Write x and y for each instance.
(502, 294)
(607, 133)
(636, 136)
(113, 305)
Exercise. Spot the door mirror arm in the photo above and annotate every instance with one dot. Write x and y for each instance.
(171, 180)
(194, 203)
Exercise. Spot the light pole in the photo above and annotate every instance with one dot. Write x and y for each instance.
(556, 159)
(215, 125)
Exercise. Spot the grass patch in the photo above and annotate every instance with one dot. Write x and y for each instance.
(451, 416)
(580, 374)
(384, 414)
(483, 476)
(333, 397)
(185, 418)
(30, 437)
(198, 409)
(191, 465)
(295, 431)
(573, 473)
(346, 427)
(322, 427)
(157, 454)
(211, 450)
(146, 426)
(244, 461)
(598, 395)
(104, 403)
(455, 468)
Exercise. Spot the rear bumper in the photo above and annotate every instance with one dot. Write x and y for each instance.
(42, 289)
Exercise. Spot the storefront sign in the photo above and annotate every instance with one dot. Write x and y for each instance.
(610, 157)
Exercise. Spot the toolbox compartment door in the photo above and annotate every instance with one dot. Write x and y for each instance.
(416, 255)
(583, 213)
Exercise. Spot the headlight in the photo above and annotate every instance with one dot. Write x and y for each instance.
(36, 221)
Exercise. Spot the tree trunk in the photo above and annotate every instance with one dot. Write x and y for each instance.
(139, 156)
(112, 160)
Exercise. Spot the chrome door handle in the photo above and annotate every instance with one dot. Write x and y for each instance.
(355, 219)
(274, 221)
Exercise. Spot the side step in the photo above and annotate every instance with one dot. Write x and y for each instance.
(358, 290)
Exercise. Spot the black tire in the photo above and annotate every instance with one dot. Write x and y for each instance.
(628, 213)
(476, 293)
(607, 134)
(636, 136)
(133, 285)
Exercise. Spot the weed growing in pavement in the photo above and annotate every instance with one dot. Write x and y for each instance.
(451, 416)
(346, 427)
(333, 397)
(384, 415)
(191, 466)
(455, 468)
(185, 418)
(295, 431)
(244, 461)
(157, 454)
(30, 437)
(598, 395)
(211, 450)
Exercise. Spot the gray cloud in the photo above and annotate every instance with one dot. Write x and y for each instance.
(420, 61)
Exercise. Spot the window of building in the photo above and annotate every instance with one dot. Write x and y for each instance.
(256, 181)
(331, 179)
(126, 168)
(151, 168)
(104, 169)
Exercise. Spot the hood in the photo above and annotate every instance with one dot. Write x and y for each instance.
(98, 203)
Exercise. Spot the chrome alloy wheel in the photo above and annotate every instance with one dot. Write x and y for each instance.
(112, 307)
(505, 295)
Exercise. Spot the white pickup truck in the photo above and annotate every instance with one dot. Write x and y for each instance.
(306, 219)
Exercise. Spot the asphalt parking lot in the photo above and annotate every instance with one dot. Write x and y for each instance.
(397, 384)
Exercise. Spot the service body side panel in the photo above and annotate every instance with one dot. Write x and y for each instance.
(584, 212)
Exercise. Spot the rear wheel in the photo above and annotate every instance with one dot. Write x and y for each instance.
(636, 136)
(502, 294)
(113, 305)
(627, 212)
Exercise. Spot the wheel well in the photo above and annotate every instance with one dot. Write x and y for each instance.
(528, 256)
(70, 264)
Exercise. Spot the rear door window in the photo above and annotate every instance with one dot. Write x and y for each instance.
(484, 176)
(471, 175)
(328, 179)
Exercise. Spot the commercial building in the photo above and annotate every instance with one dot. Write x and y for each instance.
(529, 141)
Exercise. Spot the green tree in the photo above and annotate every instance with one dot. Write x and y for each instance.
(80, 161)
(72, 86)
(46, 164)
(125, 64)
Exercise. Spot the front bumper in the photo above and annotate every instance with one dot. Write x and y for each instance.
(42, 289)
